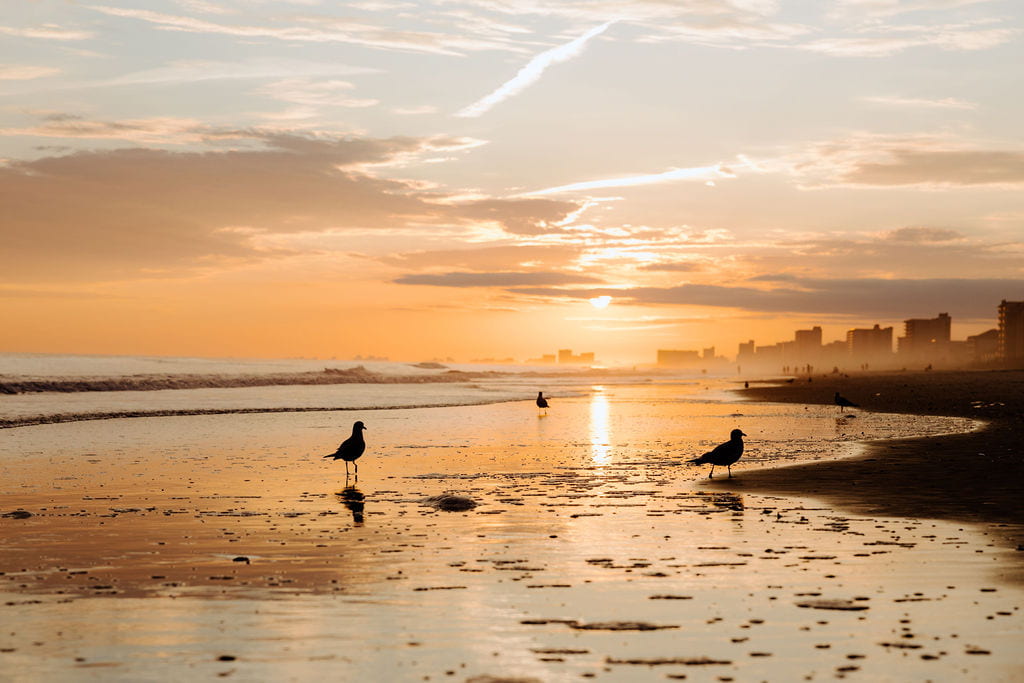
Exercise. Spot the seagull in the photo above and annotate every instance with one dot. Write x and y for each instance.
(351, 448)
(724, 455)
(541, 401)
(844, 403)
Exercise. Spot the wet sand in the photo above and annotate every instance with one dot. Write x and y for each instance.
(976, 477)
(223, 546)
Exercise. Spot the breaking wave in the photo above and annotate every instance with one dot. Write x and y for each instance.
(356, 375)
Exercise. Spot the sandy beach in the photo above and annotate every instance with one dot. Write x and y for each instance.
(225, 546)
(977, 476)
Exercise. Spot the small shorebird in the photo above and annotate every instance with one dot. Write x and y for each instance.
(844, 402)
(723, 455)
(541, 401)
(351, 448)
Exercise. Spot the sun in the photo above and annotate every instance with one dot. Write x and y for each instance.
(600, 301)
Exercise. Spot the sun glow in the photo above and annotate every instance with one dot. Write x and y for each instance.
(600, 301)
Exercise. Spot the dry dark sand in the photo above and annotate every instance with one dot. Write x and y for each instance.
(976, 477)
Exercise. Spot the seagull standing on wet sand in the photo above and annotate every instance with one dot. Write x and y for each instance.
(723, 455)
(541, 401)
(351, 448)
(843, 402)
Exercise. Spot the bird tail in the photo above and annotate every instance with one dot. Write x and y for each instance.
(329, 455)
(699, 461)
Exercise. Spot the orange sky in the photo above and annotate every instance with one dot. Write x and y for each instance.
(458, 179)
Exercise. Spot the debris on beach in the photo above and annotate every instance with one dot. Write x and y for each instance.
(841, 605)
(450, 502)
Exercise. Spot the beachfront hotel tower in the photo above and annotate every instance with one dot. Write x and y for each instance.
(925, 339)
(1011, 332)
(872, 345)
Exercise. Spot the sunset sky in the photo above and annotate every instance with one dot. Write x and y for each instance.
(280, 178)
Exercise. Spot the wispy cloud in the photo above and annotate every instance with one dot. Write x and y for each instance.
(494, 279)
(46, 32)
(897, 101)
(926, 161)
(314, 30)
(531, 73)
(893, 39)
(705, 173)
(17, 72)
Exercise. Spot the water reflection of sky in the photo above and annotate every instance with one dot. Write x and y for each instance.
(600, 437)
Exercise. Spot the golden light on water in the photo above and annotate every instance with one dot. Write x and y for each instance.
(600, 436)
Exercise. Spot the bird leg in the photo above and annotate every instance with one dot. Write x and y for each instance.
(729, 467)
(712, 475)
(346, 469)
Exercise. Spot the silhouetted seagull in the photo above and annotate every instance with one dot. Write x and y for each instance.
(724, 454)
(351, 448)
(541, 401)
(844, 403)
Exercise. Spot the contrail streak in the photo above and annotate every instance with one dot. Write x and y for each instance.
(532, 72)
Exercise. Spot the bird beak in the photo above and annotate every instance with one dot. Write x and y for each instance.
(742, 434)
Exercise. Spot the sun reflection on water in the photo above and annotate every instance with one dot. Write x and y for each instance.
(600, 437)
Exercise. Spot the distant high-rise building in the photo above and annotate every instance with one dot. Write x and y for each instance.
(984, 347)
(1011, 332)
(566, 356)
(807, 345)
(926, 339)
(870, 345)
(708, 354)
(745, 352)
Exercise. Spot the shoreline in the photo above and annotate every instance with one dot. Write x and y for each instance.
(972, 477)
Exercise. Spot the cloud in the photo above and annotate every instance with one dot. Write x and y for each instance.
(940, 167)
(160, 130)
(943, 103)
(46, 32)
(896, 161)
(518, 215)
(531, 73)
(257, 68)
(882, 299)
(704, 173)
(114, 213)
(924, 235)
(494, 279)
(503, 257)
(897, 38)
(315, 94)
(673, 267)
(19, 72)
(313, 29)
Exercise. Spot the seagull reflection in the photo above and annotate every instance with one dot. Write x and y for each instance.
(353, 499)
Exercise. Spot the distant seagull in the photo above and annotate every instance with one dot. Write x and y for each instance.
(844, 402)
(724, 455)
(541, 401)
(351, 448)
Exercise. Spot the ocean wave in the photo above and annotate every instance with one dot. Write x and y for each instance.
(58, 418)
(356, 375)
